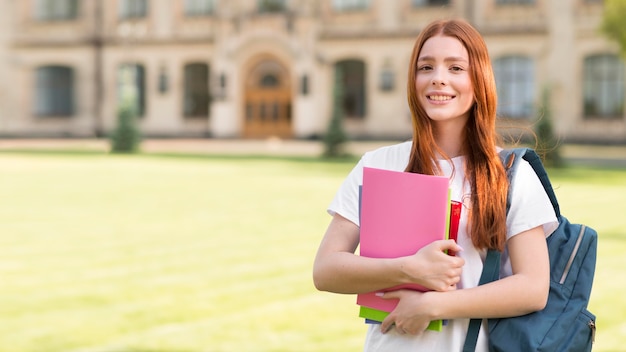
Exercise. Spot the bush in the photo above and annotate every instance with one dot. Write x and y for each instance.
(126, 136)
(335, 137)
(548, 145)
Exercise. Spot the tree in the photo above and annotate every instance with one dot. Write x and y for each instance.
(126, 136)
(548, 144)
(613, 23)
(335, 137)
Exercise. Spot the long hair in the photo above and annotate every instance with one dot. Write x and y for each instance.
(487, 217)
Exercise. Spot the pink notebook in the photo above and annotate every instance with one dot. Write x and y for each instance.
(400, 213)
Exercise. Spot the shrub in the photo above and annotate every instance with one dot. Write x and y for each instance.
(126, 137)
(548, 145)
(335, 137)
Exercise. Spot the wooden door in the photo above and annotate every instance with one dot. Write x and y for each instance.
(268, 102)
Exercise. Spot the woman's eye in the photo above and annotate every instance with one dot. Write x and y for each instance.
(424, 68)
(456, 68)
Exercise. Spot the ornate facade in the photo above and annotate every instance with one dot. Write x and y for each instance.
(255, 69)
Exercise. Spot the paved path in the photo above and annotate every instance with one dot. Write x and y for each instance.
(209, 146)
(585, 154)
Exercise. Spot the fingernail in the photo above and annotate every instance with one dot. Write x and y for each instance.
(379, 294)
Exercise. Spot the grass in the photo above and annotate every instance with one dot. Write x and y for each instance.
(154, 253)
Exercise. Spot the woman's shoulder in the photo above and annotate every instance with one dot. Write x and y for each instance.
(391, 157)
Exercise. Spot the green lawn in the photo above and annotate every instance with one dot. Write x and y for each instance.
(153, 253)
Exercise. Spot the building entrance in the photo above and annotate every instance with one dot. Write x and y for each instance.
(267, 101)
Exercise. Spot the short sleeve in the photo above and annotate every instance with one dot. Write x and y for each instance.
(530, 205)
(346, 200)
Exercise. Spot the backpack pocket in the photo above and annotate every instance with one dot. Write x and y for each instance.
(582, 333)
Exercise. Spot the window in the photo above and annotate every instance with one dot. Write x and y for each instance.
(421, 3)
(131, 86)
(603, 85)
(272, 5)
(512, 2)
(353, 87)
(133, 8)
(196, 90)
(515, 85)
(54, 91)
(269, 80)
(199, 7)
(350, 5)
(55, 10)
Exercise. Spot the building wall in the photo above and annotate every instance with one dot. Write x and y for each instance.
(307, 40)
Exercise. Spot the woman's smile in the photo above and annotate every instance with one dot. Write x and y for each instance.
(438, 98)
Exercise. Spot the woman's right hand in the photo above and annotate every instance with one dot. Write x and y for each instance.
(338, 269)
(432, 268)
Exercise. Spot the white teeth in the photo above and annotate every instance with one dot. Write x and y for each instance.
(440, 97)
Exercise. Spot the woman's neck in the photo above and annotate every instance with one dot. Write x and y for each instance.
(450, 139)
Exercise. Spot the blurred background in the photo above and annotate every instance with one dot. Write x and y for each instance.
(204, 240)
(261, 68)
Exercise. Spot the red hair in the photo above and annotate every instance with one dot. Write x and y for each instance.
(487, 218)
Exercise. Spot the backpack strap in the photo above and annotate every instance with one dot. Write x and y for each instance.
(491, 268)
(535, 161)
(491, 272)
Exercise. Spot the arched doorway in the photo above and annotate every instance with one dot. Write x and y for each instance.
(267, 107)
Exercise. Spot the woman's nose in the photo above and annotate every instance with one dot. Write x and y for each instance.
(438, 80)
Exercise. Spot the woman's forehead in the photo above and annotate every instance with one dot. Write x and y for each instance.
(441, 46)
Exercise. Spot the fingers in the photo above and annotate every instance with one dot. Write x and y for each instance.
(450, 245)
(385, 295)
(446, 284)
(410, 317)
(446, 246)
(387, 324)
(397, 294)
(385, 328)
(401, 331)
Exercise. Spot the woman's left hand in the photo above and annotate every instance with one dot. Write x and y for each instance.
(411, 316)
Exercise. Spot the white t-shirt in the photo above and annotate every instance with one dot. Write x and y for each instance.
(530, 207)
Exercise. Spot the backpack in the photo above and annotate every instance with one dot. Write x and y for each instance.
(564, 324)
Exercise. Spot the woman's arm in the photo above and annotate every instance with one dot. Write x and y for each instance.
(523, 292)
(337, 269)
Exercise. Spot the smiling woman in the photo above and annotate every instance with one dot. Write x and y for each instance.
(452, 97)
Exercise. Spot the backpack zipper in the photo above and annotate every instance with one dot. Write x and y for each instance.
(571, 257)
(592, 326)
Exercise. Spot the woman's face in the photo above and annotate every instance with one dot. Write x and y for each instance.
(443, 82)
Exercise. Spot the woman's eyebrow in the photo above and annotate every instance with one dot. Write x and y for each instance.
(447, 59)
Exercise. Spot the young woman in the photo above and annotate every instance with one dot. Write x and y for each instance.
(452, 96)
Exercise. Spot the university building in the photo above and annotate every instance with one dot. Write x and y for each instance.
(263, 68)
